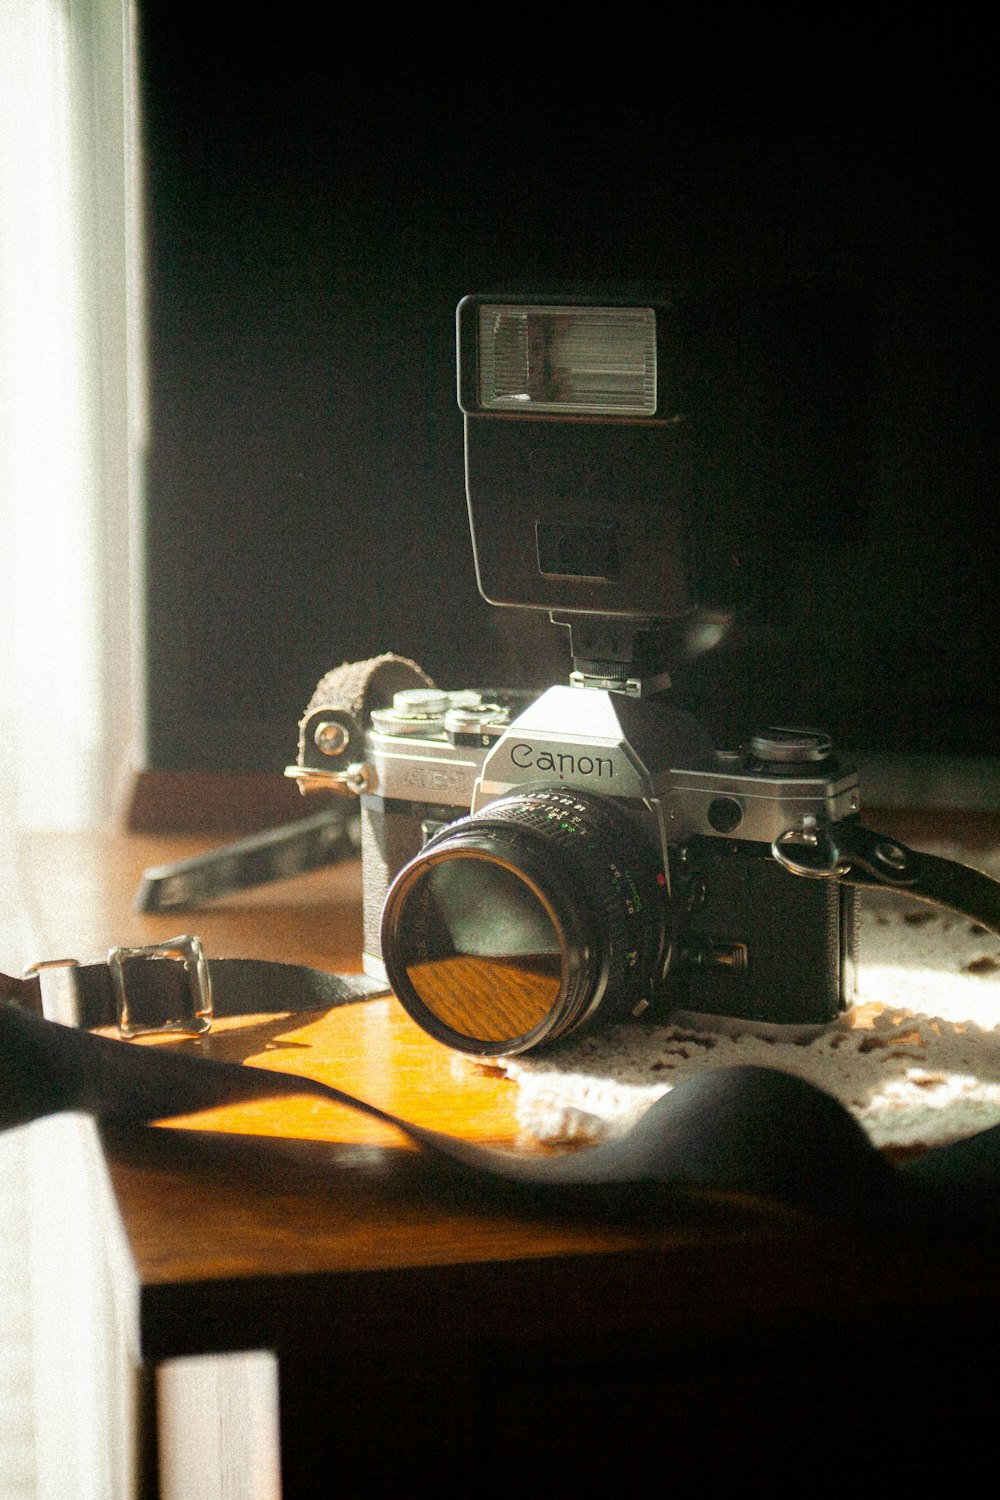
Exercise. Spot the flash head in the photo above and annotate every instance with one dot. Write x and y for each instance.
(594, 361)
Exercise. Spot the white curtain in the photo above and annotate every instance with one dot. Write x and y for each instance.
(71, 409)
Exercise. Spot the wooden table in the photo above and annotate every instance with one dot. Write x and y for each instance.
(423, 1331)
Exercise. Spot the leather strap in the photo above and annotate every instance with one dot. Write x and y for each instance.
(356, 687)
(939, 882)
(745, 1130)
(854, 855)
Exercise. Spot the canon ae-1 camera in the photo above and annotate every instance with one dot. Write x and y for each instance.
(534, 862)
(526, 871)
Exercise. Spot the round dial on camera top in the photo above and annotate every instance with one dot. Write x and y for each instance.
(790, 746)
(419, 703)
(422, 712)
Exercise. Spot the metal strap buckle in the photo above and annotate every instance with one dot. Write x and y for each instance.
(194, 997)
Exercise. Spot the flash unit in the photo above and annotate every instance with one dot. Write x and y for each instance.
(577, 454)
(597, 361)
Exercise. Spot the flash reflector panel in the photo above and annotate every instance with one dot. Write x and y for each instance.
(590, 360)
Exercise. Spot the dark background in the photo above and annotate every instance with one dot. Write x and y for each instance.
(318, 200)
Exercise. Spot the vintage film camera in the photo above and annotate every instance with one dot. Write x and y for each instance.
(533, 864)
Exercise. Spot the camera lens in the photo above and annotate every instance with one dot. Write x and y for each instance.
(515, 925)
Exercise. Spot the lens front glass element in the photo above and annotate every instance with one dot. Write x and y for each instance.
(480, 949)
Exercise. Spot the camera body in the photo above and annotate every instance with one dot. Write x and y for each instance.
(665, 866)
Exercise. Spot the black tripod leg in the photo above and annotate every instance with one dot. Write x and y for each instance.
(323, 839)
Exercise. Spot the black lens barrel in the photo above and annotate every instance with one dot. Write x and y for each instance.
(515, 925)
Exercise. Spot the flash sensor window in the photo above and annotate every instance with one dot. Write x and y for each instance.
(596, 360)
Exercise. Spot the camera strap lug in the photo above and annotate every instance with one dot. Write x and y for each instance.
(855, 855)
(352, 781)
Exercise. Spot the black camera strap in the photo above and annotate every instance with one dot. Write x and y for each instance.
(854, 855)
(742, 1130)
